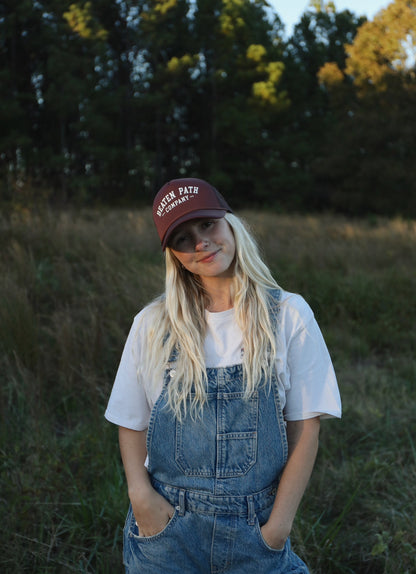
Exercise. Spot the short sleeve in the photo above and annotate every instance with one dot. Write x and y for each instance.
(313, 389)
(128, 406)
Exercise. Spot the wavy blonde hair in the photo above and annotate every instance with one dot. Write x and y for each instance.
(178, 323)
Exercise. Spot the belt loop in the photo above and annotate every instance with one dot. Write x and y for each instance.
(181, 506)
(251, 518)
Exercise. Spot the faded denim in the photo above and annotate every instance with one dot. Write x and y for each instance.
(221, 473)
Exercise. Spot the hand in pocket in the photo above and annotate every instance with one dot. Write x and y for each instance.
(152, 514)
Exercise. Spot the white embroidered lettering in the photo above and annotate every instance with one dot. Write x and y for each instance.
(170, 201)
(190, 189)
(175, 204)
(164, 202)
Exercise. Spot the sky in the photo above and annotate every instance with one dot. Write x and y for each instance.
(290, 11)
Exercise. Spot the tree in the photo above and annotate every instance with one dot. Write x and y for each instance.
(384, 48)
(240, 98)
(50, 67)
(177, 65)
(21, 24)
(114, 156)
(318, 38)
(105, 100)
(370, 162)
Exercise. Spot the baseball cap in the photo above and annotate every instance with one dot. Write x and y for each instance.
(180, 200)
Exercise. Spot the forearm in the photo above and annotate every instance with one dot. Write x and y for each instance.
(151, 510)
(303, 438)
(133, 453)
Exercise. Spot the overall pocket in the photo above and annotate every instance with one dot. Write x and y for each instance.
(264, 543)
(133, 529)
(222, 442)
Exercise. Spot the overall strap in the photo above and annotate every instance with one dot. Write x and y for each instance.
(173, 357)
(274, 301)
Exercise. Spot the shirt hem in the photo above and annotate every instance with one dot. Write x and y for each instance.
(310, 415)
(122, 423)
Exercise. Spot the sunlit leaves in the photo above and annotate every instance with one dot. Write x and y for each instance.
(256, 52)
(157, 9)
(185, 62)
(266, 91)
(231, 17)
(384, 47)
(330, 75)
(82, 22)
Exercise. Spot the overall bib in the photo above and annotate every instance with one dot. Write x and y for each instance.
(221, 473)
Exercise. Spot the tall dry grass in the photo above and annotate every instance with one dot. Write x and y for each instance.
(70, 284)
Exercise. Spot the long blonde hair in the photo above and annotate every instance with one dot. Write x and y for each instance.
(178, 323)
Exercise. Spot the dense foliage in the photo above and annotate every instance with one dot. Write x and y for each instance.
(105, 100)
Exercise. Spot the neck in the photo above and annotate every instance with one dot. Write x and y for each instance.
(219, 295)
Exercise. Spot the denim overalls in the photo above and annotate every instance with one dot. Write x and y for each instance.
(220, 472)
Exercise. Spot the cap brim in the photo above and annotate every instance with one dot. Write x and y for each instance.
(214, 213)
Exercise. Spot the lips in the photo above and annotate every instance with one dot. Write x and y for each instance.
(208, 258)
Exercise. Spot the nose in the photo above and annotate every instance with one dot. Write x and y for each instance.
(201, 242)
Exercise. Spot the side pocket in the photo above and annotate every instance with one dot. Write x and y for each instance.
(134, 530)
(264, 543)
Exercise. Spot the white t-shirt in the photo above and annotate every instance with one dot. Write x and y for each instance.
(307, 382)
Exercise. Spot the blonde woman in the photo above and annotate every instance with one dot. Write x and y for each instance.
(218, 398)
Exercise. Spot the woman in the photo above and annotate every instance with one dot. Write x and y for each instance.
(218, 399)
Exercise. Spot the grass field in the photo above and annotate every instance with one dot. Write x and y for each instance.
(70, 284)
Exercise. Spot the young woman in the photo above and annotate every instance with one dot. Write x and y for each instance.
(218, 398)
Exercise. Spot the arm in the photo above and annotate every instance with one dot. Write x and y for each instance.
(151, 511)
(302, 439)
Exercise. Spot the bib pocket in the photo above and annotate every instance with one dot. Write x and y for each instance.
(222, 442)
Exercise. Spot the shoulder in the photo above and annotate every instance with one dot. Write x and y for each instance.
(293, 310)
(148, 318)
(151, 311)
(295, 305)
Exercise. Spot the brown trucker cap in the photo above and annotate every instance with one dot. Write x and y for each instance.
(180, 200)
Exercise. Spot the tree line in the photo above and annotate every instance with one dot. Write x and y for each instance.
(103, 101)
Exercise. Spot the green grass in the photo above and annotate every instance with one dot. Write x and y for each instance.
(70, 284)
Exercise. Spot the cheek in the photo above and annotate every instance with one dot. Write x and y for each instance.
(232, 244)
(180, 259)
(185, 261)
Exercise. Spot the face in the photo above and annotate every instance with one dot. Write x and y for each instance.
(205, 247)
